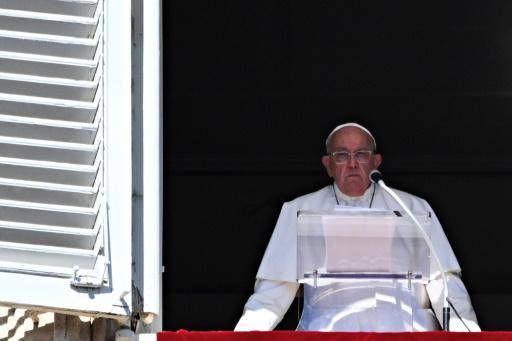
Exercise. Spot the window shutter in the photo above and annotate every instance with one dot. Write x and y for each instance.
(54, 226)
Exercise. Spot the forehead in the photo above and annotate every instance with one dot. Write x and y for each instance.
(351, 138)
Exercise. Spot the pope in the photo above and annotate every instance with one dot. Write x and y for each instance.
(351, 154)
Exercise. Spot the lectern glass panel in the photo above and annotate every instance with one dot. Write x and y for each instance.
(361, 244)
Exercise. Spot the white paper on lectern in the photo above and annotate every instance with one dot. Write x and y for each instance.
(362, 241)
(358, 244)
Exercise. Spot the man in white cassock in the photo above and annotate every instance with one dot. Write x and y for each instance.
(362, 305)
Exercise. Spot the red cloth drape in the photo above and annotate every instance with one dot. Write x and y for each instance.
(182, 335)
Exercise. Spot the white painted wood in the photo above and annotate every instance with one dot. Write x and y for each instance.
(48, 23)
(47, 66)
(44, 150)
(48, 193)
(153, 164)
(53, 172)
(51, 146)
(118, 138)
(67, 7)
(62, 273)
(65, 156)
(35, 255)
(44, 129)
(47, 214)
(49, 45)
(50, 235)
(50, 108)
(49, 87)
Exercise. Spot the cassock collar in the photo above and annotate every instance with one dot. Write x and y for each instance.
(360, 201)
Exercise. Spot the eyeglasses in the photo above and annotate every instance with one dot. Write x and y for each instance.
(361, 156)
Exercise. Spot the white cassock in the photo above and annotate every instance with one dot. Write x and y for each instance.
(367, 306)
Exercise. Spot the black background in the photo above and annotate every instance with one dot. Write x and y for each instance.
(252, 88)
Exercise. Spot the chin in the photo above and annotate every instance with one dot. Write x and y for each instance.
(354, 182)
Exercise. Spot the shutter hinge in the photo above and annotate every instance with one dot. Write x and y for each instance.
(88, 280)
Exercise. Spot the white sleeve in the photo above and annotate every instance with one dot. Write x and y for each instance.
(267, 306)
(458, 295)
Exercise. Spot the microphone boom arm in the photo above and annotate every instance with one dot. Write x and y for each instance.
(446, 308)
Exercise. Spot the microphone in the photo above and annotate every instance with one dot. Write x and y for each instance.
(376, 177)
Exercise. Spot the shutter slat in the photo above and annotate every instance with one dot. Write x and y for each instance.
(56, 88)
(47, 255)
(53, 151)
(48, 193)
(49, 45)
(85, 8)
(70, 237)
(54, 24)
(53, 172)
(55, 271)
(43, 129)
(40, 65)
(45, 214)
(49, 108)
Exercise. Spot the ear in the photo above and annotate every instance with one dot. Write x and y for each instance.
(326, 161)
(377, 160)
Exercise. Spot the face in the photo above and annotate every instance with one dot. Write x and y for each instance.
(352, 176)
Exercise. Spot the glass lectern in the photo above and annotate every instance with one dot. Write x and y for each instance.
(363, 270)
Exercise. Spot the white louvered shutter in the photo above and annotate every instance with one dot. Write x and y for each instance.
(55, 238)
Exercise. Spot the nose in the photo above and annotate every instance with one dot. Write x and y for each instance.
(352, 161)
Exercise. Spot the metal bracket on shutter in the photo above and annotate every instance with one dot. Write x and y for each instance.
(88, 280)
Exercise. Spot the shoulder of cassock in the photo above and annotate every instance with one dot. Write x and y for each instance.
(280, 258)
